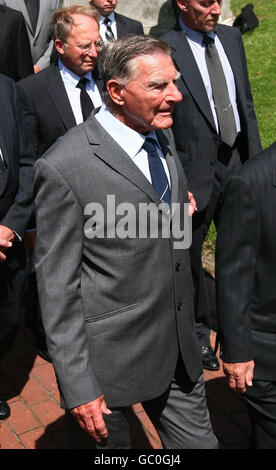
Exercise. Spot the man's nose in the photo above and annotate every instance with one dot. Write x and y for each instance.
(216, 8)
(174, 94)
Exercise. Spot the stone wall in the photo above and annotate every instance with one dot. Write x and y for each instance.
(157, 16)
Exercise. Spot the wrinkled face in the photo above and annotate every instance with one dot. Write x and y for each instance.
(84, 34)
(104, 7)
(201, 15)
(148, 99)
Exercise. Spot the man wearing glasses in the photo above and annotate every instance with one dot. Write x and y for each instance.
(54, 100)
(57, 99)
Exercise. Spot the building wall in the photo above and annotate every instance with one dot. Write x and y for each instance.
(157, 16)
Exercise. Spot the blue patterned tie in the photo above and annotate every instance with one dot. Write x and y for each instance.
(158, 175)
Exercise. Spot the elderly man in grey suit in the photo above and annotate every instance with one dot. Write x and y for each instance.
(116, 294)
(37, 16)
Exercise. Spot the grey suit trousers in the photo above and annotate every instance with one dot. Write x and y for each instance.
(180, 416)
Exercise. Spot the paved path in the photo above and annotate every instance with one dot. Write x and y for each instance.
(37, 421)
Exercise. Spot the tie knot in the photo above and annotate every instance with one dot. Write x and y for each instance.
(149, 145)
(107, 21)
(207, 40)
(82, 83)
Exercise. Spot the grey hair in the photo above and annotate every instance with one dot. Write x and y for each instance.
(117, 59)
(62, 20)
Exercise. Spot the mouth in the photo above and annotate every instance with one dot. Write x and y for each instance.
(167, 112)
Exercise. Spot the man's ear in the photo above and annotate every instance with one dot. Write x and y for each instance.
(115, 91)
(182, 5)
(59, 46)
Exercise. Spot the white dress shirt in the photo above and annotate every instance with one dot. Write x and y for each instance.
(71, 80)
(195, 41)
(130, 141)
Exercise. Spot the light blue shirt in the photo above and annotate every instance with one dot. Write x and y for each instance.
(70, 80)
(130, 141)
(195, 41)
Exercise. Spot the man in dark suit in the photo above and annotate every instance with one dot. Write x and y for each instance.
(117, 308)
(215, 133)
(37, 16)
(16, 204)
(53, 102)
(246, 299)
(114, 25)
(51, 99)
(15, 57)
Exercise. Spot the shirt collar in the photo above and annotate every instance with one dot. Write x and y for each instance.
(130, 140)
(70, 77)
(194, 35)
(111, 17)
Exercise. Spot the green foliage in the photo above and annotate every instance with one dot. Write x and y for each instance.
(260, 48)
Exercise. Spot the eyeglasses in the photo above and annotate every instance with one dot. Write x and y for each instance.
(86, 48)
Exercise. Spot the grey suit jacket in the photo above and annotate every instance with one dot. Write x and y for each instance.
(40, 41)
(117, 312)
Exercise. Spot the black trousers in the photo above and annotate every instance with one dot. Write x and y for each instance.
(261, 403)
(12, 279)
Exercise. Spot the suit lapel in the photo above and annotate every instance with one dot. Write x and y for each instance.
(273, 164)
(4, 25)
(230, 50)
(185, 61)
(98, 79)
(5, 145)
(42, 9)
(105, 148)
(119, 25)
(20, 5)
(59, 97)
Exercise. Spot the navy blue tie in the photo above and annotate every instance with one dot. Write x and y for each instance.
(158, 175)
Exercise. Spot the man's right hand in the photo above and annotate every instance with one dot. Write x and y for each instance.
(240, 375)
(4, 245)
(90, 417)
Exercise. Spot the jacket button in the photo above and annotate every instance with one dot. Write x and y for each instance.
(177, 267)
(179, 307)
(213, 162)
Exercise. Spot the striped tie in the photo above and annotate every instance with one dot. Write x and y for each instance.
(108, 32)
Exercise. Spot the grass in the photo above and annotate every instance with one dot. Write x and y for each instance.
(260, 48)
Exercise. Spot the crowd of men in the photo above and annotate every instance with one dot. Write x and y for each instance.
(96, 116)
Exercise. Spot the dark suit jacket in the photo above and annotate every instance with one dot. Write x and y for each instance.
(47, 108)
(15, 52)
(16, 196)
(194, 128)
(246, 266)
(127, 25)
(116, 311)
